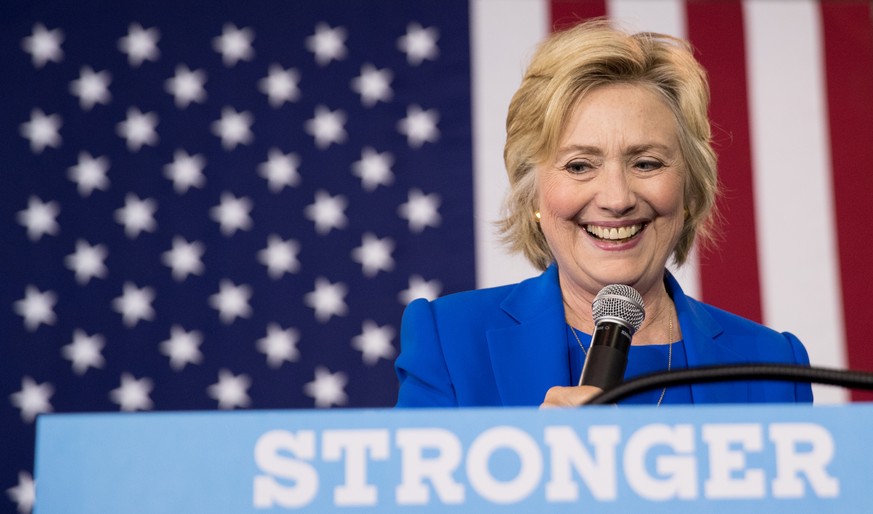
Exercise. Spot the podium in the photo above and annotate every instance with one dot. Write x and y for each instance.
(758, 458)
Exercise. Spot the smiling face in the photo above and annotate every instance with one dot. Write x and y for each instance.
(611, 198)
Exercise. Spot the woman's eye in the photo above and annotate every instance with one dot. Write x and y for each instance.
(577, 167)
(649, 165)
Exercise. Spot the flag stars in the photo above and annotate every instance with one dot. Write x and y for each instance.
(137, 215)
(374, 342)
(182, 347)
(32, 399)
(91, 88)
(374, 254)
(134, 304)
(328, 44)
(232, 214)
(44, 45)
(374, 169)
(420, 288)
(280, 170)
(280, 256)
(90, 174)
(419, 43)
(186, 171)
(24, 493)
(37, 308)
(186, 86)
(184, 258)
(327, 299)
(84, 351)
(231, 390)
(39, 218)
(234, 128)
(327, 388)
(279, 345)
(87, 261)
(420, 210)
(140, 44)
(327, 127)
(133, 394)
(138, 129)
(280, 86)
(42, 130)
(419, 126)
(328, 212)
(231, 301)
(373, 85)
(234, 44)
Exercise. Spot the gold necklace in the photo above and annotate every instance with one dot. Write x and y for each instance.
(669, 354)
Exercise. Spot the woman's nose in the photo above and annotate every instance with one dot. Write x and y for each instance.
(616, 194)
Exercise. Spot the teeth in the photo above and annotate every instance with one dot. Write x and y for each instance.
(613, 234)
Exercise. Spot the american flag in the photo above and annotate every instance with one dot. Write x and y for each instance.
(227, 204)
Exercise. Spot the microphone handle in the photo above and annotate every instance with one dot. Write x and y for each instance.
(606, 361)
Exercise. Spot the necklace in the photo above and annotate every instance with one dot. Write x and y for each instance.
(669, 354)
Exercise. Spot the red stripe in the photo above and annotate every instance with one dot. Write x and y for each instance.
(729, 276)
(569, 12)
(848, 44)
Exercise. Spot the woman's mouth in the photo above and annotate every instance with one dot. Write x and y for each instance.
(614, 234)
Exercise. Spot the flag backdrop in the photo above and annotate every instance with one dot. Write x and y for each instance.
(227, 205)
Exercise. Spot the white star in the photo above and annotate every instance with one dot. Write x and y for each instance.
(135, 304)
(280, 170)
(84, 351)
(327, 388)
(231, 301)
(140, 44)
(232, 214)
(374, 254)
(91, 88)
(419, 126)
(328, 44)
(374, 169)
(374, 342)
(137, 215)
(182, 347)
(327, 299)
(420, 288)
(90, 173)
(87, 261)
(185, 171)
(373, 85)
(234, 44)
(279, 345)
(44, 45)
(138, 129)
(326, 127)
(36, 308)
(186, 86)
(233, 128)
(279, 256)
(24, 493)
(419, 44)
(33, 398)
(39, 218)
(421, 210)
(327, 212)
(133, 394)
(280, 85)
(230, 390)
(184, 258)
(42, 130)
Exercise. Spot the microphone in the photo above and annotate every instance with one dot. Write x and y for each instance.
(618, 312)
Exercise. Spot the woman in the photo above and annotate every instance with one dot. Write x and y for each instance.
(612, 174)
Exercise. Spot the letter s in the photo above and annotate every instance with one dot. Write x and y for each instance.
(271, 457)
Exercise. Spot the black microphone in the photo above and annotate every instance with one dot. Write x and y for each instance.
(618, 312)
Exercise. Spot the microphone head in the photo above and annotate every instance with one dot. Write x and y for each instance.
(619, 303)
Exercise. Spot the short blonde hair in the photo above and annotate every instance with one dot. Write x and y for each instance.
(565, 68)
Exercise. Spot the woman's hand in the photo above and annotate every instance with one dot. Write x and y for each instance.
(561, 396)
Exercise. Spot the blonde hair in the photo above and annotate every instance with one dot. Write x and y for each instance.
(564, 69)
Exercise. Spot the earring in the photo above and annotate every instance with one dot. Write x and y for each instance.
(537, 215)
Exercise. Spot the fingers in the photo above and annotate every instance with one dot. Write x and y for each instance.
(560, 396)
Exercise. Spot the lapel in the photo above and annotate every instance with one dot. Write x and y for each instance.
(704, 346)
(530, 357)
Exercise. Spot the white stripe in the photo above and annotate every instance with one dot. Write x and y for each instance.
(504, 34)
(792, 177)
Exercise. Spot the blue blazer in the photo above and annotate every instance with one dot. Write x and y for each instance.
(506, 346)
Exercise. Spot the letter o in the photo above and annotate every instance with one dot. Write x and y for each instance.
(480, 476)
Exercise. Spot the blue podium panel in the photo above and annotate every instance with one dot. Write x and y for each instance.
(781, 458)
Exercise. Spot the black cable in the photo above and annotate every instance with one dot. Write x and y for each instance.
(705, 374)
